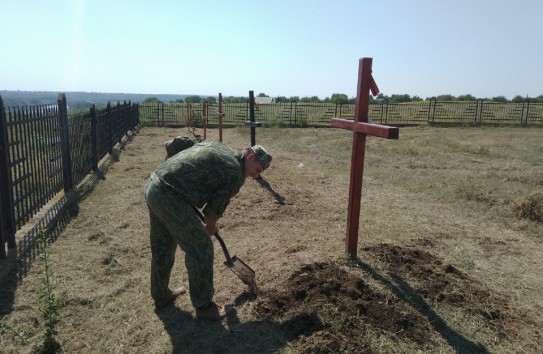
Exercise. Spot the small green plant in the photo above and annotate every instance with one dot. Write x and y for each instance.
(473, 192)
(49, 306)
(198, 120)
(8, 328)
(275, 122)
(302, 122)
(481, 150)
(467, 264)
(530, 207)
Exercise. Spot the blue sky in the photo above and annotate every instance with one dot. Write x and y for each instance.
(426, 48)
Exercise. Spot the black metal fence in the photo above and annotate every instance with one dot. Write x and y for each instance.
(320, 114)
(44, 150)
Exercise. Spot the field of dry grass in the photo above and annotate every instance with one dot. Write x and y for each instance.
(450, 256)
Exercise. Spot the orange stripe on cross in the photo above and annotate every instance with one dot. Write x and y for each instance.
(361, 128)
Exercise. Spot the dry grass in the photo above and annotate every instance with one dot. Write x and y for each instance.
(438, 204)
(530, 207)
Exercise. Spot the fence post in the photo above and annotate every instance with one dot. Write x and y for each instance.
(109, 128)
(160, 122)
(290, 115)
(94, 138)
(136, 114)
(65, 143)
(338, 103)
(205, 108)
(434, 110)
(295, 112)
(480, 111)
(527, 104)
(221, 115)
(118, 117)
(476, 110)
(252, 117)
(386, 111)
(7, 222)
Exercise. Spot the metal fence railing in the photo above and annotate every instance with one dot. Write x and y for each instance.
(320, 113)
(44, 150)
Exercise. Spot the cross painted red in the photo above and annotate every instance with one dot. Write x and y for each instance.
(361, 128)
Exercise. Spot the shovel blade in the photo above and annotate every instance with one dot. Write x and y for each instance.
(242, 270)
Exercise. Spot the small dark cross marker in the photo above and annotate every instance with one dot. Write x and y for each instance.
(360, 128)
(251, 122)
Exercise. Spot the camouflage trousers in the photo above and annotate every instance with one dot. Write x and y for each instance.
(174, 223)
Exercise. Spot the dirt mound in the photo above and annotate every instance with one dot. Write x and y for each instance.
(336, 309)
(324, 307)
(440, 282)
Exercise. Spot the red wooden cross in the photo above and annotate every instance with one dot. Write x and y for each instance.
(360, 128)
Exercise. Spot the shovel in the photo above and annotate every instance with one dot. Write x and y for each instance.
(236, 265)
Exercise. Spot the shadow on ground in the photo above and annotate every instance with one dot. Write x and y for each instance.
(190, 335)
(278, 197)
(403, 291)
(8, 286)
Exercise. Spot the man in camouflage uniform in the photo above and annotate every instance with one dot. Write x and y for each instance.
(206, 175)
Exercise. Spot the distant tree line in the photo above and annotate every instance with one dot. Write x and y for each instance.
(468, 97)
(79, 100)
(336, 97)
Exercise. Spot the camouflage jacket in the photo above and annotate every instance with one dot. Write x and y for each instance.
(207, 174)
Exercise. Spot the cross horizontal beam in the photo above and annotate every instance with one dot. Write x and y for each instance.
(383, 131)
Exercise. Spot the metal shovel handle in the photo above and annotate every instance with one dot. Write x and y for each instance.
(219, 238)
(225, 250)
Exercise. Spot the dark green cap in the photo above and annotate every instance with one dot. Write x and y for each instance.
(263, 157)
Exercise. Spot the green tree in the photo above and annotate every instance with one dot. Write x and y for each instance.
(232, 99)
(262, 95)
(211, 99)
(150, 100)
(500, 99)
(518, 99)
(280, 99)
(467, 97)
(445, 98)
(193, 99)
(400, 98)
(310, 99)
(339, 96)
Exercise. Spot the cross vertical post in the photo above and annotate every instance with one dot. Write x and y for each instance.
(251, 122)
(220, 116)
(360, 128)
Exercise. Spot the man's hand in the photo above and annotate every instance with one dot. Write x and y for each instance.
(211, 226)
